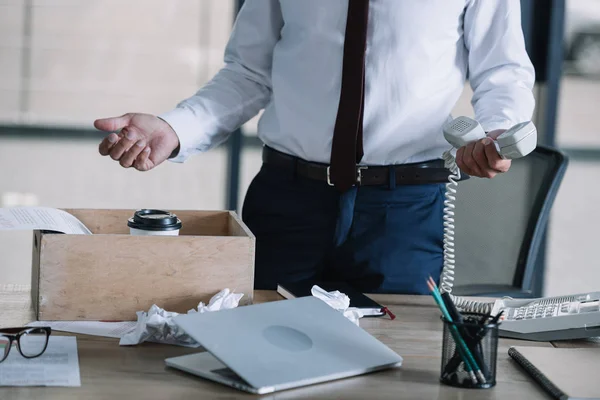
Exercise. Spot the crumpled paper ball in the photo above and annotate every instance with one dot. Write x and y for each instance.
(338, 301)
(157, 324)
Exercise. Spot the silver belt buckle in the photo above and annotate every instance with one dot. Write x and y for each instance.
(359, 174)
(329, 176)
(359, 171)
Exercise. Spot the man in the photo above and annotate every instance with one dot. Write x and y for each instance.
(355, 94)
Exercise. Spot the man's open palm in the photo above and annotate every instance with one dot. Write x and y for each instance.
(142, 141)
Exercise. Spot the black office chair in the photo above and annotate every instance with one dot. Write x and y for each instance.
(500, 224)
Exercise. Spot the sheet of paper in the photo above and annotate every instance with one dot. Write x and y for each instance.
(41, 218)
(93, 328)
(58, 366)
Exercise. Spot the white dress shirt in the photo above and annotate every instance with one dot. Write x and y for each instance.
(285, 56)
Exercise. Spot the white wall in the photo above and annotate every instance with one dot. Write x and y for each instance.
(92, 59)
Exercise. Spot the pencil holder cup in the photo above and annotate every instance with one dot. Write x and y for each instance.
(469, 352)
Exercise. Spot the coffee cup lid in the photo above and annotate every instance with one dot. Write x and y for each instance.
(154, 220)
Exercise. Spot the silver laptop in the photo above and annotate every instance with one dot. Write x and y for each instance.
(280, 345)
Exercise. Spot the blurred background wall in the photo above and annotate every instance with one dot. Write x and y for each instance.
(64, 63)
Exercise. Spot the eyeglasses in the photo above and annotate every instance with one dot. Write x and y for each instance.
(31, 342)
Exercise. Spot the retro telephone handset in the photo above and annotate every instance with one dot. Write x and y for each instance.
(551, 318)
(516, 142)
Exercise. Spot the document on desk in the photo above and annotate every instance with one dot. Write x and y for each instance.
(41, 218)
(93, 328)
(58, 366)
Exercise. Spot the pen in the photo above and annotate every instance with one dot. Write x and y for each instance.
(497, 317)
(494, 320)
(467, 336)
(455, 334)
(473, 341)
(456, 316)
(470, 362)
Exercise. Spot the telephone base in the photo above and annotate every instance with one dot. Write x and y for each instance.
(550, 318)
(550, 336)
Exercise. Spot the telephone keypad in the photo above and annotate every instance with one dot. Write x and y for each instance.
(537, 311)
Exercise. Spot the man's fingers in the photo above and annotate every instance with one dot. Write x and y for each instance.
(469, 161)
(128, 137)
(479, 156)
(113, 124)
(129, 157)
(495, 162)
(142, 162)
(459, 161)
(107, 144)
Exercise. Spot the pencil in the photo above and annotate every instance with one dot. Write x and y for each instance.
(455, 335)
(457, 319)
(470, 363)
(461, 342)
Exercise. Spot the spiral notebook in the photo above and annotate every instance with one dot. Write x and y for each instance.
(566, 374)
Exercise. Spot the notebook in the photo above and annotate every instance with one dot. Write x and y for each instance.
(564, 373)
(367, 306)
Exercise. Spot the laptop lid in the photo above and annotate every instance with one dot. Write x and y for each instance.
(288, 343)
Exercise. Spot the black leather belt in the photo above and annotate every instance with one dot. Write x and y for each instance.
(406, 174)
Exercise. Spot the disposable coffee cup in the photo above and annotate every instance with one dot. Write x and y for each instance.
(148, 222)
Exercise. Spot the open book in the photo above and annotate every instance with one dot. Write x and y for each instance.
(41, 218)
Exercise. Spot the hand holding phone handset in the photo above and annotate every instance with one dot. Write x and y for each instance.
(516, 142)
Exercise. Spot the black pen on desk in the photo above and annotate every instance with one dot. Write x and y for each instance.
(479, 336)
(497, 317)
(454, 313)
(478, 348)
(494, 320)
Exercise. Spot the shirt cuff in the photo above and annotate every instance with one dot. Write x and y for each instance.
(495, 124)
(185, 125)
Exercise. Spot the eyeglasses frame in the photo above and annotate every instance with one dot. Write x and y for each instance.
(15, 334)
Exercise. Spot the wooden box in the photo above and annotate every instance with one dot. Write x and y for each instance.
(110, 275)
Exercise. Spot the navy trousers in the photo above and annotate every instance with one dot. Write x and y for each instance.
(380, 239)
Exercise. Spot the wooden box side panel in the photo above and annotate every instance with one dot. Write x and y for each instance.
(112, 277)
(236, 226)
(201, 223)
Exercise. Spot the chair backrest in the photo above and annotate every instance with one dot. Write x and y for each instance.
(500, 222)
